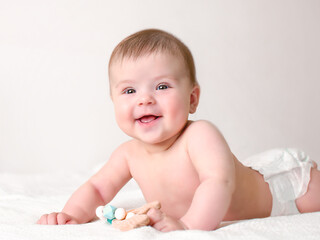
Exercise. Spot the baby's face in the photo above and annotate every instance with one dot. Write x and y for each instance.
(151, 96)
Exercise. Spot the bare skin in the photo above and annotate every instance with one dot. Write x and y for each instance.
(179, 181)
(185, 165)
(174, 182)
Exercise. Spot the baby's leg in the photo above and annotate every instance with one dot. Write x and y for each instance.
(310, 201)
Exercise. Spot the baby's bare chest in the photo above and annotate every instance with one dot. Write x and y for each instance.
(170, 178)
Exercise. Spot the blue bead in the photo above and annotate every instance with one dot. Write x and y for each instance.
(110, 220)
(108, 212)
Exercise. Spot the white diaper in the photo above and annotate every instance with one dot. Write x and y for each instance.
(287, 171)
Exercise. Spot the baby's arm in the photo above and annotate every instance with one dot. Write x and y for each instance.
(98, 190)
(214, 163)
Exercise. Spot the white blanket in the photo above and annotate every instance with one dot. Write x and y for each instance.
(24, 198)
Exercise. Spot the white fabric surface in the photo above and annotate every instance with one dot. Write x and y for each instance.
(24, 198)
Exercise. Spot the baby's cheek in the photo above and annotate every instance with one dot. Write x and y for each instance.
(179, 112)
(123, 117)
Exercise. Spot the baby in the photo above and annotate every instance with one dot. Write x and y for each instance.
(186, 165)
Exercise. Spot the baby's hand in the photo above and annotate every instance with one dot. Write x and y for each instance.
(57, 219)
(164, 223)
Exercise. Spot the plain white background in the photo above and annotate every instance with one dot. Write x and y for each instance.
(257, 64)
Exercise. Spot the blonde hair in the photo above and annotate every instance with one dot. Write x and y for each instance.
(153, 41)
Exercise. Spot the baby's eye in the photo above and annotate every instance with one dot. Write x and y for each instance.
(128, 91)
(162, 87)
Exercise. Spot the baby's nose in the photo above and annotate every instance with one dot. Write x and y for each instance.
(146, 100)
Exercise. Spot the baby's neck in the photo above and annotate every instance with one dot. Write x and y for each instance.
(158, 148)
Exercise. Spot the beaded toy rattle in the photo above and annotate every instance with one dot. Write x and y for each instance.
(126, 220)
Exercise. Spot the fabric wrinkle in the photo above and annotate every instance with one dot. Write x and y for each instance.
(287, 171)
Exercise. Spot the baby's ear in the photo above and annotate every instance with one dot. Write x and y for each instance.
(194, 98)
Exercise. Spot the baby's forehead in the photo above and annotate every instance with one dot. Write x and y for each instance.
(154, 65)
(120, 62)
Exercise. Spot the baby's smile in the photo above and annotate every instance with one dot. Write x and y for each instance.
(148, 118)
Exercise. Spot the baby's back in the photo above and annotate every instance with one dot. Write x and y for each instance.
(252, 197)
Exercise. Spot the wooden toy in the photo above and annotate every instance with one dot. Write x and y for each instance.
(126, 220)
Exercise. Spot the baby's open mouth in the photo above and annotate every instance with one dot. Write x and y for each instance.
(148, 118)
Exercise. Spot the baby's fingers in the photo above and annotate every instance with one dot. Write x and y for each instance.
(56, 219)
(162, 222)
(43, 219)
(157, 219)
(50, 219)
(63, 218)
(155, 216)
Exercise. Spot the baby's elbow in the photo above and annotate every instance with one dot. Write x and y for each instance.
(227, 183)
(227, 186)
(230, 184)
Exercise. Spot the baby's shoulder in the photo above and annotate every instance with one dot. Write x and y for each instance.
(201, 127)
(202, 131)
(130, 144)
(125, 148)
